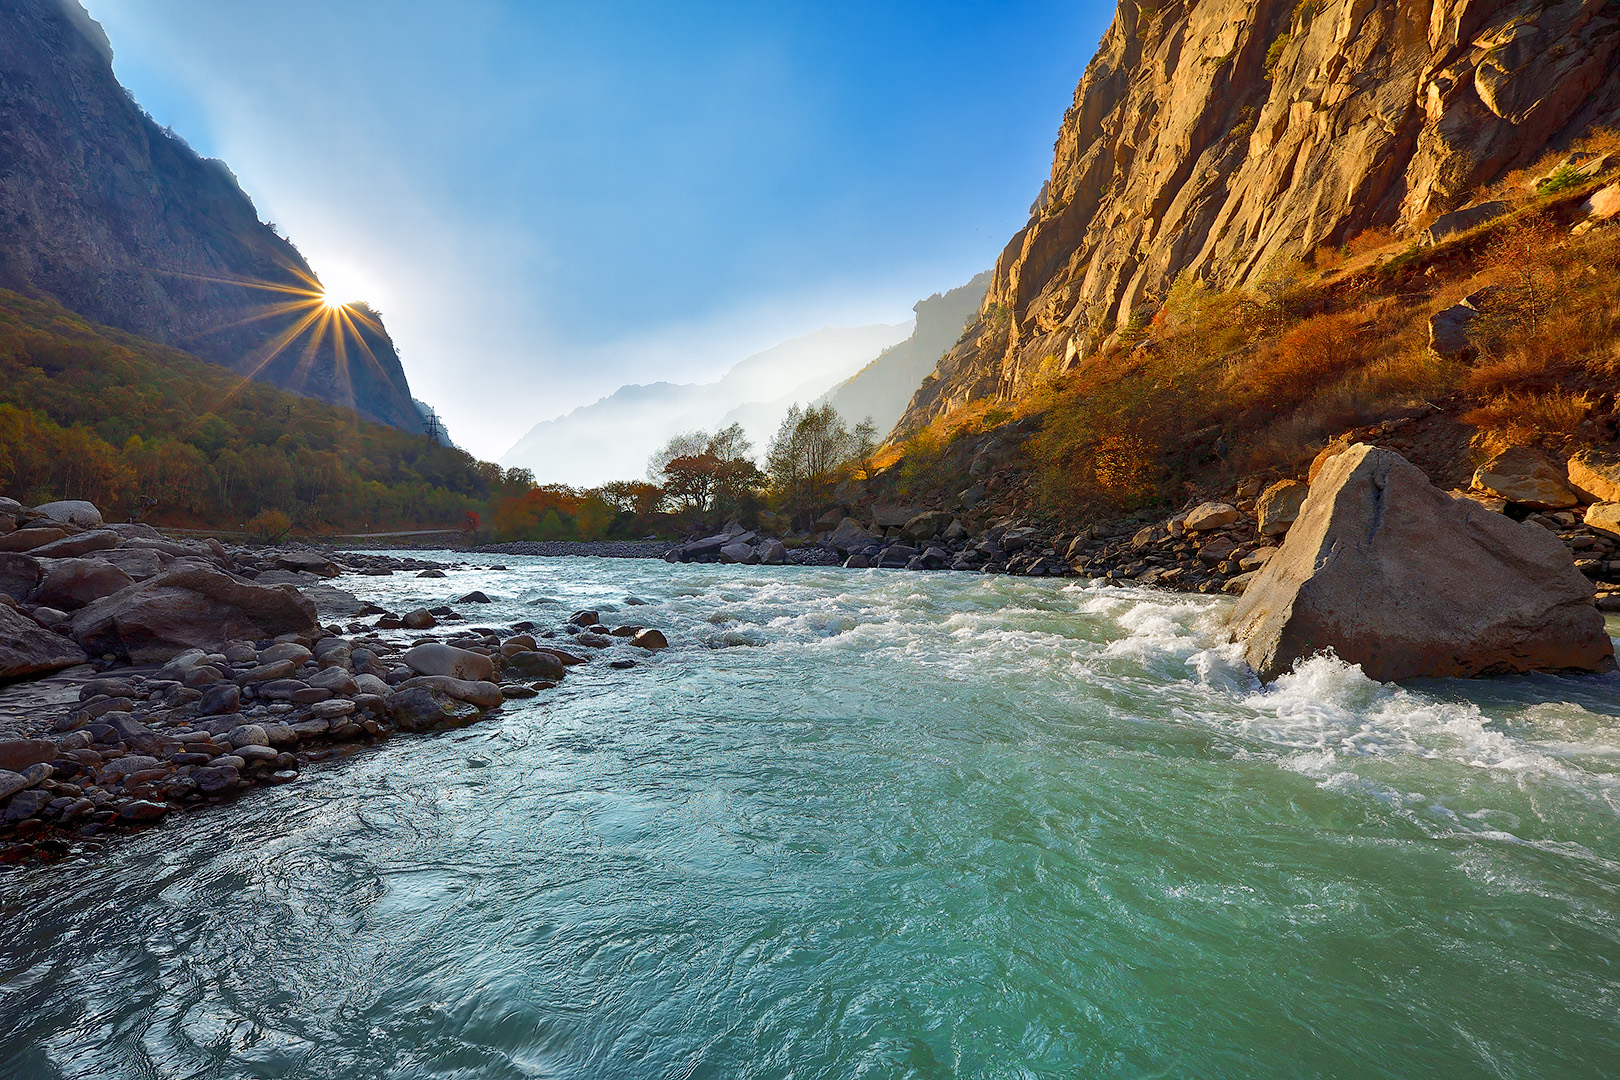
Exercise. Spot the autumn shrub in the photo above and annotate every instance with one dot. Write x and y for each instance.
(1307, 357)
(270, 526)
(1527, 418)
(1370, 240)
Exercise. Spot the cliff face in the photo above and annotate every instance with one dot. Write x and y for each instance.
(1217, 137)
(113, 217)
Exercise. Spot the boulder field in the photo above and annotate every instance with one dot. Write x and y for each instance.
(194, 682)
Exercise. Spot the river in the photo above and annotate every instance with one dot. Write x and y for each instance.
(869, 824)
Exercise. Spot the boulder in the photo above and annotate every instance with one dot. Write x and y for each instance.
(420, 708)
(1203, 517)
(70, 584)
(71, 547)
(1460, 221)
(1278, 506)
(886, 516)
(1527, 477)
(219, 700)
(650, 639)
(849, 537)
(1395, 575)
(19, 574)
(191, 608)
(1604, 204)
(30, 539)
(17, 754)
(1593, 474)
(307, 562)
(772, 553)
(437, 658)
(329, 600)
(73, 511)
(420, 619)
(1605, 518)
(485, 695)
(27, 648)
(739, 553)
(138, 563)
(926, 526)
(534, 665)
(1448, 330)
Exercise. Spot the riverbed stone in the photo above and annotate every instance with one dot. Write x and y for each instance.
(485, 695)
(190, 608)
(1395, 575)
(19, 574)
(1527, 477)
(534, 665)
(1204, 517)
(220, 699)
(650, 639)
(17, 754)
(1278, 506)
(28, 649)
(420, 619)
(437, 658)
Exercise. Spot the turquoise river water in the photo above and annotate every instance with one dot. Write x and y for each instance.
(870, 824)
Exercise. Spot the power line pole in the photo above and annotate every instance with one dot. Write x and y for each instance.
(433, 426)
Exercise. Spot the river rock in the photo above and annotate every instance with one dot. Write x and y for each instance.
(650, 639)
(19, 574)
(477, 596)
(1527, 477)
(534, 665)
(849, 537)
(307, 562)
(419, 708)
(437, 658)
(211, 780)
(739, 553)
(1278, 506)
(335, 679)
(17, 754)
(486, 695)
(72, 547)
(70, 584)
(926, 526)
(1395, 575)
(219, 700)
(1203, 517)
(286, 650)
(27, 648)
(191, 608)
(31, 539)
(420, 619)
(73, 511)
(772, 553)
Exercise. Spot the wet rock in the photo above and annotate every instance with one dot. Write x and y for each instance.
(437, 658)
(331, 710)
(534, 665)
(431, 574)
(214, 779)
(248, 735)
(420, 619)
(858, 561)
(586, 617)
(593, 641)
(650, 639)
(1398, 577)
(219, 700)
(142, 810)
(485, 695)
(192, 608)
(419, 708)
(474, 597)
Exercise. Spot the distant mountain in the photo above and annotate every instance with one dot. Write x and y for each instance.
(883, 388)
(118, 219)
(613, 438)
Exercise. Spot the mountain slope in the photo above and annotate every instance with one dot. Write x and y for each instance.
(882, 388)
(611, 439)
(1222, 138)
(119, 220)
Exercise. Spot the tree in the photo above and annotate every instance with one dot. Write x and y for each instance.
(687, 444)
(812, 450)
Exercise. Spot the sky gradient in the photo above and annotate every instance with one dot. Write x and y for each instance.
(547, 201)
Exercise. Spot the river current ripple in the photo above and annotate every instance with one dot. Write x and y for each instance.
(870, 824)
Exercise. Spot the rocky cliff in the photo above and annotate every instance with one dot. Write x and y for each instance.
(1221, 137)
(118, 219)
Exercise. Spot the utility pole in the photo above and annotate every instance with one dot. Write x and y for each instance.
(433, 426)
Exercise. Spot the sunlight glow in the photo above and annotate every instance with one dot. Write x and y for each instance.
(330, 302)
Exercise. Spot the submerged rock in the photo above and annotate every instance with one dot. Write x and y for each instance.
(1395, 575)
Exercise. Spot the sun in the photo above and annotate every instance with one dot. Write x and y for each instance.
(331, 302)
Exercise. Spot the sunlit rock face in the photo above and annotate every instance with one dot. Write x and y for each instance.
(121, 221)
(1220, 136)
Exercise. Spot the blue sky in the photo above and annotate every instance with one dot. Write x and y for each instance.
(550, 200)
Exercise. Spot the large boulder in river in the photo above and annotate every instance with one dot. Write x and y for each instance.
(19, 574)
(26, 648)
(73, 511)
(850, 537)
(437, 658)
(191, 608)
(1395, 575)
(70, 584)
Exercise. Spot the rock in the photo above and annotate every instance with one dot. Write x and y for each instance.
(128, 765)
(534, 665)
(1279, 505)
(1527, 477)
(585, 617)
(1448, 330)
(335, 679)
(30, 539)
(138, 563)
(1489, 502)
(420, 619)
(739, 553)
(17, 754)
(772, 553)
(286, 650)
(70, 584)
(192, 608)
(858, 561)
(1593, 474)
(1210, 515)
(650, 639)
(926, 526)
(214, 779)
(19, 574)
(887, 515)
(11, 783)
(264, 673)
(71, 547)
(849, 537)
(307, 562)
(1239, 585)
(485, 695)
(331, 710)
(1604, 204)
(474, 597)
(329, 600)
(27, 648)
(431, 574)
(593, 641)
(1604, 517)
(1458, 222)
(1216, 550)
(422, 709)
(254, 754)
(220, 699)
(436, 658)
(1257, 558)
(366, 683)
(74, 512)
(142, 810)
(1397, 576)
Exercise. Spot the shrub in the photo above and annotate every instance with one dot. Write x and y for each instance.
(1307, 357)
(270, 526)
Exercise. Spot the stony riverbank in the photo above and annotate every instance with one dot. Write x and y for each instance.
(141, 677)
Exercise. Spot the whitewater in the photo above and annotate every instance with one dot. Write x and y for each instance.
(869, 824)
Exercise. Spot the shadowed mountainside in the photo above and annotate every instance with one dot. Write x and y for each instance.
(119, 220)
